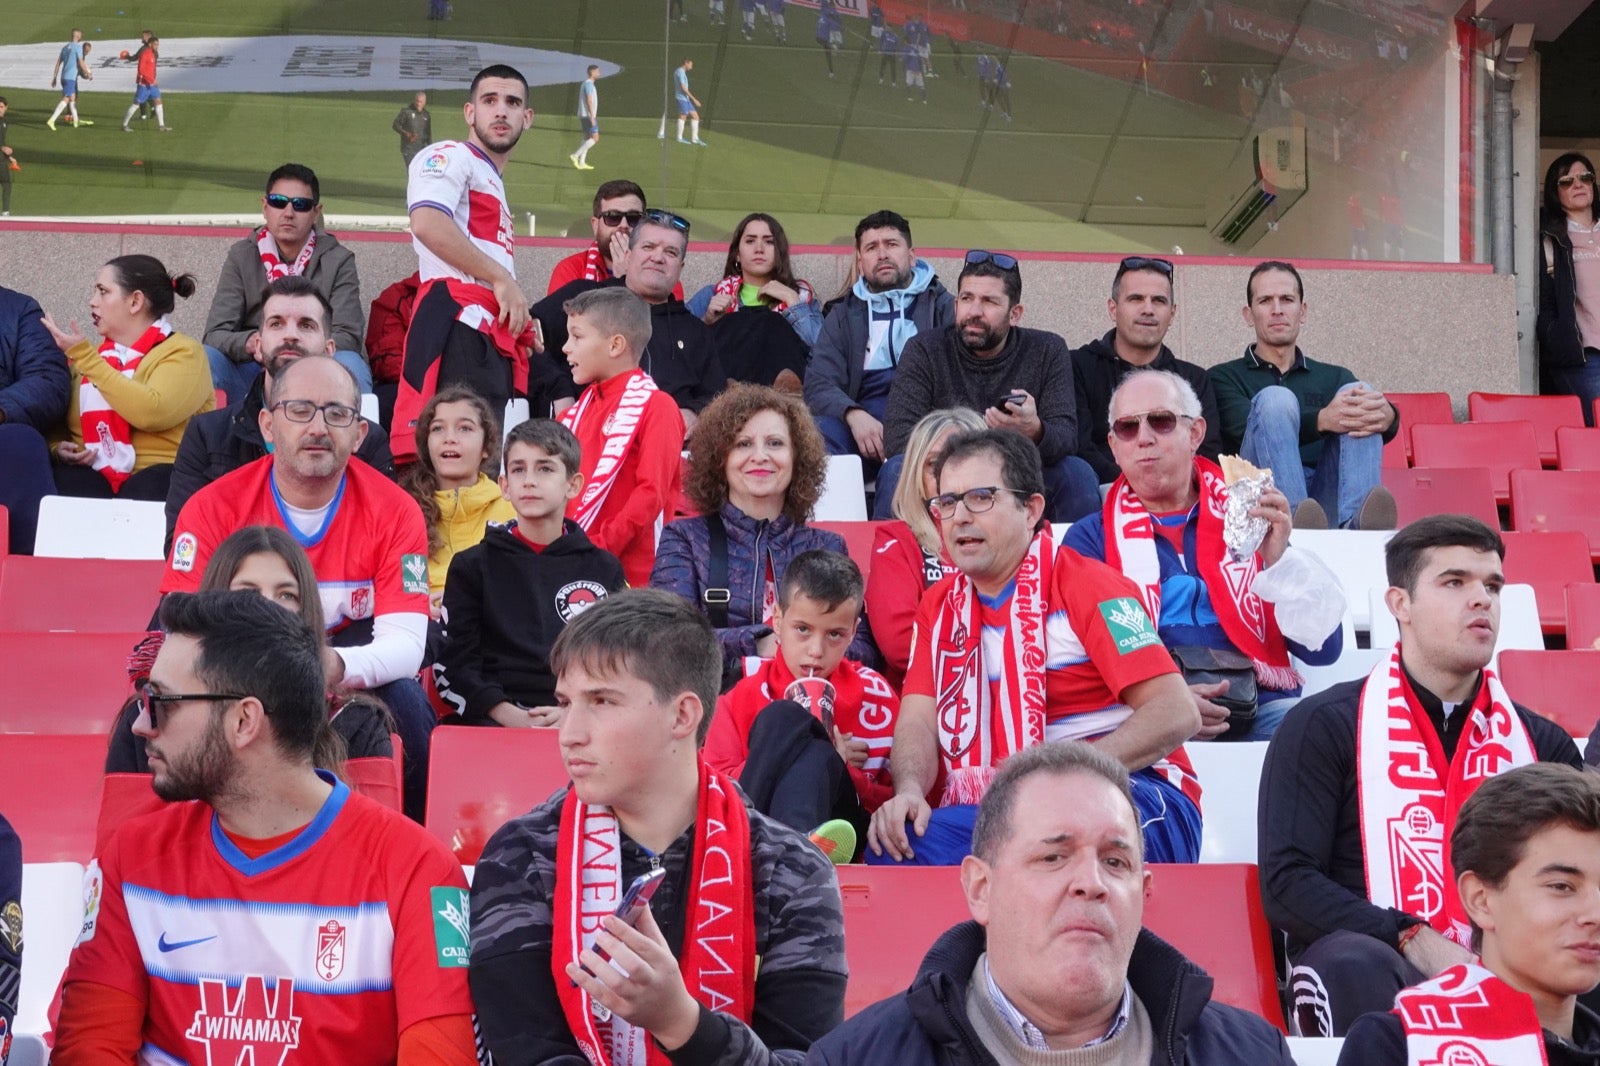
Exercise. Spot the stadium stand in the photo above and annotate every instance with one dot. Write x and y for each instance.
(1230, 775)
(1545, 413)
(844, 494)
(1498, 447)
(101, 529)
(857, 540)
(1577, 448)
(1357, 557)
(73, 682)
(1549, 562)
(1583, 614)
(42, 595)
(64, 772)
(1544, 501)
(479, 778)
(1415, 409)
(1558, 684)
(52, 917)
(1423, 491)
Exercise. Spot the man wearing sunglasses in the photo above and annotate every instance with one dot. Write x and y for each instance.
(288, 245)
(290, 913)
(1019, 378)
(1319, 430)
(1027, 644)
(363, 534)
(1161, 525)
(1142, 306)
(618, 206)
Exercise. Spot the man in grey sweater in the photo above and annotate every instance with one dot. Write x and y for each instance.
(1018, 378)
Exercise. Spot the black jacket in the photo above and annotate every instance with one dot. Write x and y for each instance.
(1096, 373)
(504, 606)
(220, 442)
(1380, 1040)
(927, 1025)
(1560, 342)
(10, 926)
(1313, 878)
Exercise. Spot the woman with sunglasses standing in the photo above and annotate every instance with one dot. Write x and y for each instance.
(134, 393)
(1569, 286)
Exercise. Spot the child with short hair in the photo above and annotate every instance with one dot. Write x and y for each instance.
(800, 760)
(631, 432)
(509, 596)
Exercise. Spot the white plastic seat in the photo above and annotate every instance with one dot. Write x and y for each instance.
(516, 414)
(844, 492)
(1357, 557)
(73, 528)
(1230, 783)
(52, 916)
(1315, 1050)
(369, 406)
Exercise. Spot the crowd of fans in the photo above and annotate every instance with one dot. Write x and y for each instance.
(736, 704)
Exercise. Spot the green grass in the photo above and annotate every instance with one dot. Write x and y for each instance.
(783, 137)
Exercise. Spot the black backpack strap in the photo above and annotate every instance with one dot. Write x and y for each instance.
(717, 593)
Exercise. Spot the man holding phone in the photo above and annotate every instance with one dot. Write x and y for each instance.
(1018, 378)
(739, 957)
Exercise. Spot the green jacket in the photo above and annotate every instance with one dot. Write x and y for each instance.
(1313, 384)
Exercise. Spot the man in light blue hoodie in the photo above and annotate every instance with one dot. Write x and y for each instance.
(854, 358)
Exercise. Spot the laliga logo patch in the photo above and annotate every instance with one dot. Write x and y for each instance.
(437, 163)
(184, 550)
(575, 598)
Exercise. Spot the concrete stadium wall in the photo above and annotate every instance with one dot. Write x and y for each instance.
(1404, 327)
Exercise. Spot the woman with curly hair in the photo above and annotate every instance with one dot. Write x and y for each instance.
(756, 467)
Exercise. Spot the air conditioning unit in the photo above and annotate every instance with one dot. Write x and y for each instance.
(1262, 192)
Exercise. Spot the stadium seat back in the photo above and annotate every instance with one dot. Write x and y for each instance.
(52, 917)
(74, 528)
(123, 797)
(1583, 614)
(77, 595)
(858, 538)
(844, 492)
(1549, 562)
(50, 792)
(1545, 501)
(1558, 684)
(1422, 491)
(1230, 775)
(479, 778)
(1546, 413)
(73, 682)
(892, 916)
(1417, 408)
(1356, 556)
(1500, 447)
(1577, 448)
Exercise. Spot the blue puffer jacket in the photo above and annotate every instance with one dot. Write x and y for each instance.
(927, 1025)
(683, 564)
(34, 383)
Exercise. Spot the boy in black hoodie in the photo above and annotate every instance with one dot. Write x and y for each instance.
(508, 597)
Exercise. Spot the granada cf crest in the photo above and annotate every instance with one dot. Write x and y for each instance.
(330, 950)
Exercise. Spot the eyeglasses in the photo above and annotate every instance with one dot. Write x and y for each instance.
(1139, 262)
(301, 204)
(336, 415)
(1566, 180)
(617, 218)
(999, 259)
(943, 506)
(150, 701)
(667, 218)
(1161, 423)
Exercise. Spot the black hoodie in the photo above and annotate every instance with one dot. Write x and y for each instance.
(1097, 370)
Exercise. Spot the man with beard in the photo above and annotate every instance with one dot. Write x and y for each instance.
(364, 535)
(471, 324)
(1018, 378)
(296, 319)
(291, 913)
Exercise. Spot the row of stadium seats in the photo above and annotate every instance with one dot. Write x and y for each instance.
(1554, 420)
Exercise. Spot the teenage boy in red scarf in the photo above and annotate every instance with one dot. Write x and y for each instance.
(631, 432)
(738, 960)
(1363, 782)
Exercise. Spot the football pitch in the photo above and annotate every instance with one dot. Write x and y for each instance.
(782, 136)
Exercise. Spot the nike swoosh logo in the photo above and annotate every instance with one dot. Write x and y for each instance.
(173, 945)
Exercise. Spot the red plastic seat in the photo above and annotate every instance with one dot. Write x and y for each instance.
(1558, 684)
(857, 540)
(480, 777)
(1415, 408)
(1549, 562)
(1577, 448)
(1211, 912)
(64, 682)
(43, 595)
(50, 793)
(1583, 615)
(1500, 447)
(123, 797)
(1427, 490)
(1551, 500)
(1544, 412)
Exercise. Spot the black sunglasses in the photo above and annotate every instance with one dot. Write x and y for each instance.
(1139, 262)
(667, 218)
(150, 701)
(301, 204)
(616, 218)
(999, 259)
(1566, 180)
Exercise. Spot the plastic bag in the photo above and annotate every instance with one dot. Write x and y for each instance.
(1307, 595)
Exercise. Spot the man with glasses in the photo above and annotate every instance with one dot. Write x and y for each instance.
(364, 535)
(1319, 430)
(854, 359)
(1027, 643)
(290, 244)
(295, 320)
(1141, 307)
(1019, 378)
(294, 919)
(1161, 525)
(618, 207)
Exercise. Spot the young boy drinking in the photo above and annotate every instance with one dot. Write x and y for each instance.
(807, 735)
(631, 432)
(509, 596)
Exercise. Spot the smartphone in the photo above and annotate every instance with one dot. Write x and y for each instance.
(1016, 399)
(635, 900)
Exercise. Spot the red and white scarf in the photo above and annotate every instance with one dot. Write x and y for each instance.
(1408, 796)
(1249, 623)
(730, 286)
(620, 429)
(1467, 1015)
(979, 729)
(718, 961)
(594, 265)
(105, 432)
(275, 266)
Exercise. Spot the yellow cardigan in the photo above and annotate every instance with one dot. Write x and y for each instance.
(171, 385)
(462, 515)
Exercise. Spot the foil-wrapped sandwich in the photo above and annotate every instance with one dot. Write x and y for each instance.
(1246, 482)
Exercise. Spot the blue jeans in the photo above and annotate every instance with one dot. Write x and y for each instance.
(1071, 489)
(414, 721)
(234, 379)
(1350, 468)
(1580, 381)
